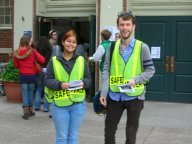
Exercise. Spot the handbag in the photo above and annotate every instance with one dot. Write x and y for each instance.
(38, 67)
(97, 106)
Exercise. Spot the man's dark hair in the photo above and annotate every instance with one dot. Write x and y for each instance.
(126, 16)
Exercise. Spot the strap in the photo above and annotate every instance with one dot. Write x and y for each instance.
(112, 49)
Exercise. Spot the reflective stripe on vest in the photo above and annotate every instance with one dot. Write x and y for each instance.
(67, 97)
(121, 72)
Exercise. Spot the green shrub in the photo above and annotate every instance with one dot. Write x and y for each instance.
(10, 72)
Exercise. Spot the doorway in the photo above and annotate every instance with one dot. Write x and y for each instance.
(86, 32)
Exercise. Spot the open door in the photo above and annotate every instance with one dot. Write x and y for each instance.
(92, 39)
(43, 26)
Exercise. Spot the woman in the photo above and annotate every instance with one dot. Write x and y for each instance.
(53, 37)
(68, 106)
(45, 49)
(24, 60)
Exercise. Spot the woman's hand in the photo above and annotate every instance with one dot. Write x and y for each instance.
(82, 84)
(64, 85)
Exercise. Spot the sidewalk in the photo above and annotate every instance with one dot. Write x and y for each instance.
(160, 123)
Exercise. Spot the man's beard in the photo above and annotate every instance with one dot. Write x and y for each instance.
(127, 37)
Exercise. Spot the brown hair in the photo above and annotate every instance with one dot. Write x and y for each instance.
(106, 34)
(126, 16)
(24, 41)
(65, 35)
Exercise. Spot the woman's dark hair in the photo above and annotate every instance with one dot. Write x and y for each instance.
(64, 35)
(44, 48)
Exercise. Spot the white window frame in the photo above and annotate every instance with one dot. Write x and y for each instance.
(6, 25)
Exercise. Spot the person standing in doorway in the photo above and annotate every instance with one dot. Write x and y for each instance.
(128, 63)
(68, 106)
(53, 37)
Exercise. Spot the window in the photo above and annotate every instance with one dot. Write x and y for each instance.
(5, 13)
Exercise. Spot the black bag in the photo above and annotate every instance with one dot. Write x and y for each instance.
(97, 106)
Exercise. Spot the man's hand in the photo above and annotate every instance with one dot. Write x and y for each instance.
(103, 101)
(131, 83)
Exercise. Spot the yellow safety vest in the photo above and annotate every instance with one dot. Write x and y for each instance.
(48, 95)
(68, 97)
(121, 72)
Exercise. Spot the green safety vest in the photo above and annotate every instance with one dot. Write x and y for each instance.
(67, 97)
(105, 44)
(121, 72)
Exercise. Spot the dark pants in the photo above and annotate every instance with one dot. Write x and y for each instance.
(114, 113)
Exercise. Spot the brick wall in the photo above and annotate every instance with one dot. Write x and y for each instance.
(6, 38)
(6, 41)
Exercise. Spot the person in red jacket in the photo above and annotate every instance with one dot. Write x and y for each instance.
(25, 58)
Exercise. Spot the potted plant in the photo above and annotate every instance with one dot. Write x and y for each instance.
(10, 79)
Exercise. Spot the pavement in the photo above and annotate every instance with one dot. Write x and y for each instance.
(160, 123)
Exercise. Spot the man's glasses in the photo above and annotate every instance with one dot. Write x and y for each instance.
(125, 13)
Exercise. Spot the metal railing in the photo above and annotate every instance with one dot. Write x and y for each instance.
(2, 66)
(2, 92)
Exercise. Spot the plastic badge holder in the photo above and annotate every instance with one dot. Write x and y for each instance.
(76, 84)
(126, 88)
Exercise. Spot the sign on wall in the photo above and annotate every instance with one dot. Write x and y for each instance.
(27, 33)
(113, 31)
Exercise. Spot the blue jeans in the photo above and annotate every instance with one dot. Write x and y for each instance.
(67, 121)
(45, 105)
(27, 94)
(38, 90)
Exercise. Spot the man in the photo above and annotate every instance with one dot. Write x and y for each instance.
(130, 64)
(100, 53)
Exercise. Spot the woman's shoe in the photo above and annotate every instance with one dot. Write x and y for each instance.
(31, 113)
(25, 113)
(37, 109)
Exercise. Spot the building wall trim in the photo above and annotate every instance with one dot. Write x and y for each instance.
(162, 8)
(6, 50)
(69, 8)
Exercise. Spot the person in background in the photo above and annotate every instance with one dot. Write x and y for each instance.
(80, 50)
(128, 63)
(68, 106)
(86, 46)
(44, 48)
(100, 53)
(24, 59)
(117, 36)
(53, 37)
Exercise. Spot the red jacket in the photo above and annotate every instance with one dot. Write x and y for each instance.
(24, 60)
